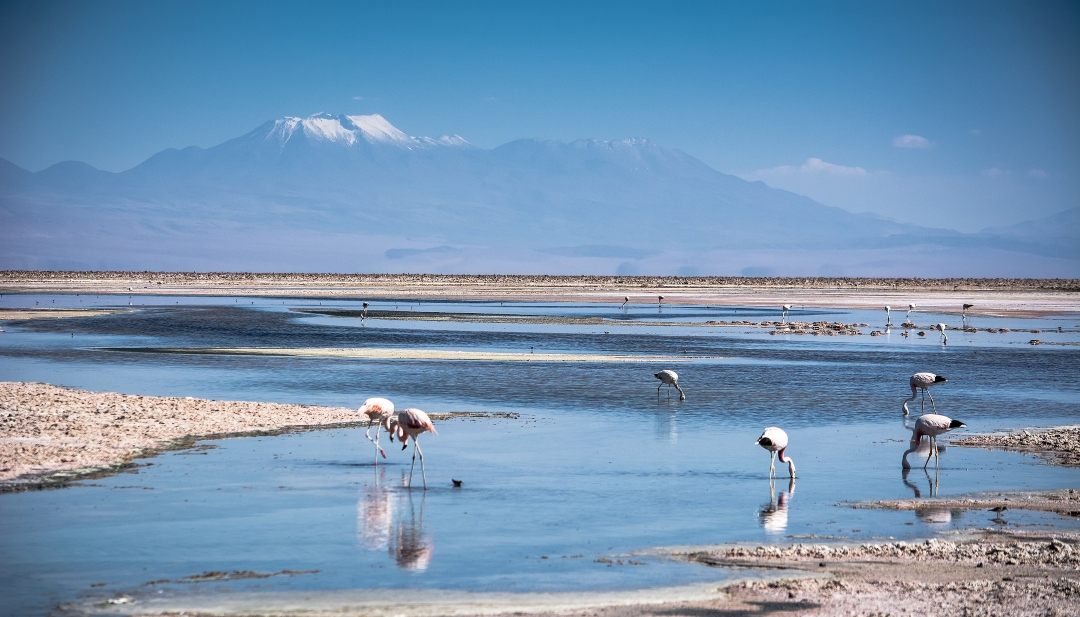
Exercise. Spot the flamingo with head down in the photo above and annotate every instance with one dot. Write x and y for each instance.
(411, 423)
(377, 410)
(930, 425)
(775, 440)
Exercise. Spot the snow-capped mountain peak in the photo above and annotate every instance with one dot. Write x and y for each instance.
(350, 130)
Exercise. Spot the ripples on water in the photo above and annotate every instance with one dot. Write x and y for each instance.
(572, 495)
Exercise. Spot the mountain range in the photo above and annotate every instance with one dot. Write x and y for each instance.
(355, 194)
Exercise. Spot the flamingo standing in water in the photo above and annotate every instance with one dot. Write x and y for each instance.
(363, 313)
(624, 301)
(660, 301)
(786, 307)
(775, 441)
(964, 314)
(888, 315)
(669, 378)
(411, 423)
(923, 381)
(910, 307)
(944, 337)
(930, 425)
(377, 411)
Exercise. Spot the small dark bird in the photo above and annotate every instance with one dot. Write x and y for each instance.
(999, 509)
(457, 483)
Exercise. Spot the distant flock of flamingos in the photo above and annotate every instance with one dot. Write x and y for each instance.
(412, 423)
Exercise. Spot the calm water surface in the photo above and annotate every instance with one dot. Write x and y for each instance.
(572, 494)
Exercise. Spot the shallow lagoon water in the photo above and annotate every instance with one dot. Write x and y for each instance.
(595, 470)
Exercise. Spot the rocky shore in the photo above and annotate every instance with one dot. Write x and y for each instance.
(50, 436)
(1059, 445)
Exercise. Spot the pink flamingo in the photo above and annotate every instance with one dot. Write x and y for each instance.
(775, 441)
(923, 381)
(377, 410)
(411, 423)
(669, 378)
(930, 425)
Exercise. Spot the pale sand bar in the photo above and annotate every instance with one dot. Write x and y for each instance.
(1012, 297)
(375, 353)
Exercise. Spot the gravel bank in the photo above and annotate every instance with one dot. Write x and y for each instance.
(1058, 445)
(50, 435)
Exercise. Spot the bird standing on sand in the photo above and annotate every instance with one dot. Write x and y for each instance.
(923, 381)
(930, 425)
(377, 411)
(669, 378)
(786, 307)
(411, 423)
(775, 441)
(944, 337)
(888, 315)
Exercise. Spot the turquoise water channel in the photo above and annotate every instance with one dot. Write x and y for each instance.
(575, 482)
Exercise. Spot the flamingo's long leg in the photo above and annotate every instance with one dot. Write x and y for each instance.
(929, 456)
(931, 400)
(413, 466)
(423, 472)
(923, 399)
(772, 465)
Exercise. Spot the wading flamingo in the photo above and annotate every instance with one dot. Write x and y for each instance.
(931, 425)
(660, 301)
(910, 307)
(786, 307)
(964, 314)
(944, 337)
(888, 315)
(669, 378)
(377, 411)
(624, 301)
(923, 381)
(775, 441)
(411, 423)
(363, 313)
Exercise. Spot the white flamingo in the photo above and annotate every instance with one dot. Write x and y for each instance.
(888, 315)
(930, 425)
(944, 337)
(910, 308)
(377, 411)
(775, 440)
(363, 313)
(786, 307)
(411, 423)
(964, 314)
(660, 301)
(669, 378)
(923, 381)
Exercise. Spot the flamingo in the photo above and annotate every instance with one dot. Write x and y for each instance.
(377, 410)
(910, 307)
(944, 337)
(786, 307)
(964, 314)
(930, 425)
(670, 378)
(923, 381)
(888, 315)
(660, 301)
(363, 313)
(411, 423)
(624, 301)
(775, 440)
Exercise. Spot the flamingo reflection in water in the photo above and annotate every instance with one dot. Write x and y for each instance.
(409, 545)
(375, 516)
(774, 515)
(385, 522)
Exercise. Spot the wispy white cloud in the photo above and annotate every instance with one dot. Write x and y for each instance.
(911, 141)
(996, 172)
(975, 132)
(357, 98)
(812, 167)
(1038, 174)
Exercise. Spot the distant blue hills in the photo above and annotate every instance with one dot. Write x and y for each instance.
(353, 193)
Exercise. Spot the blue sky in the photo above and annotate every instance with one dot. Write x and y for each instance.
(960, 114)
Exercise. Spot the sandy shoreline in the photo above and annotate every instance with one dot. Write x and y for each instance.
(1014, 297)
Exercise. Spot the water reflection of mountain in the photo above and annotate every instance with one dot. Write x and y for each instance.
(774, 514)
(389, 518)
